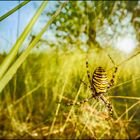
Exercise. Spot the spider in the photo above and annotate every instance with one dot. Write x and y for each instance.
(99, 85)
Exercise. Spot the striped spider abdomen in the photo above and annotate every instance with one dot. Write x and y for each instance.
(100, 81)
(99, 85)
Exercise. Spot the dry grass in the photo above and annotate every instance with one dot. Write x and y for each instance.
(33, 111)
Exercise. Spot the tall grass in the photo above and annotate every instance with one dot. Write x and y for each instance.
(6, 63)
(14, 50)
(13, 10)
(35, 111)
(47, 81)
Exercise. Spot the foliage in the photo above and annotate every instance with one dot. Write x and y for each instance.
(79, 22)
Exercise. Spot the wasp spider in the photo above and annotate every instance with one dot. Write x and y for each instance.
(99, 85)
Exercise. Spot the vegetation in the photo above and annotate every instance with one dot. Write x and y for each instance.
(34, 102)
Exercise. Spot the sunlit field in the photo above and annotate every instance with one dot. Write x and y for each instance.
(34, 102)
(33, 110)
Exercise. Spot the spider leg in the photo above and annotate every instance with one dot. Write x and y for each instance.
(108, 105)
(90, 87)
(111, 83)
(85, 84)
(88, 73)
(89, 78)
(87, 99)
(92, 90)
(81, 102)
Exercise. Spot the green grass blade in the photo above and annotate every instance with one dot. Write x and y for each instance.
(12, 70)
(13, 10)
(13, 53)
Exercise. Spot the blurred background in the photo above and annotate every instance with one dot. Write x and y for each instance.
(51, 74)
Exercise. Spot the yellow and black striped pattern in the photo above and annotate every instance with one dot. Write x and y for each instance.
(100, 80)
(99, 84)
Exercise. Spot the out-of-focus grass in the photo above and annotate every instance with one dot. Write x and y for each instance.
(46, 78)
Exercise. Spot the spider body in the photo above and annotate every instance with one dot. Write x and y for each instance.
(99, 85)
(100, 81)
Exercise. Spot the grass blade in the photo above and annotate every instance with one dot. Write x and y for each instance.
(13, 53)
(9, 74)
(13, 10)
